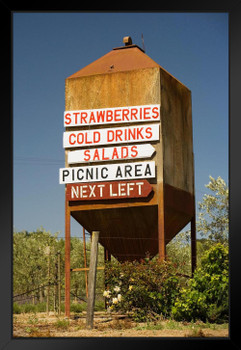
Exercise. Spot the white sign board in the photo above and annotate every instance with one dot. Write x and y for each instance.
(96, 137)
(104, 154)
(133, 114)
(108, 172)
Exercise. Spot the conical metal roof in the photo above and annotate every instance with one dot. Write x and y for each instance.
(120, 59)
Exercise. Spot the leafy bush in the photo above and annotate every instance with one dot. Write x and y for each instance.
(16, 308)
(28, 308)
(144, 290)
(40, 307)
(63, 324)
(76, 308)
(206, 297)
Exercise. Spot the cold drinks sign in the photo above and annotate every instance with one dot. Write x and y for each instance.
(93, 147)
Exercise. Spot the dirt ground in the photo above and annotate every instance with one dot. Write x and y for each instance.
(43, 325)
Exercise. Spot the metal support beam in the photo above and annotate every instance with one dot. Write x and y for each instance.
(193, 244)
(67, 259)
(161, 226)
(107, 257)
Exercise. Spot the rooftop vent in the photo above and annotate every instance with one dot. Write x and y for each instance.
(127, 40)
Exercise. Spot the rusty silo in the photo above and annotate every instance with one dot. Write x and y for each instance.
(131, 227)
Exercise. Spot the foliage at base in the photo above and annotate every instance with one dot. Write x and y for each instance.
(206, 297)
(144, 290)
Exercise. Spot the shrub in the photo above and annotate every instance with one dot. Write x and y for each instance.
(40, 307)
(206, 297)
(28, 308)
(76, 308)
(144, 290)
(16, 308)
(62, 324)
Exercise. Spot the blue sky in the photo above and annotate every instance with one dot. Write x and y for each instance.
(49, 47)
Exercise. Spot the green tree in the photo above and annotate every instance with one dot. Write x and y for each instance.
(30, 260)
(213, 217)
(212, 226)
(179, 252)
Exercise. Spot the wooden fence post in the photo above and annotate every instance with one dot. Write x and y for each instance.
(85, 262)
(92, 279)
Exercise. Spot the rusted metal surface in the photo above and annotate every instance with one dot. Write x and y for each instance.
(67, 259)
(130, 232)
(193, 245)
(128, 58)
(129, 228)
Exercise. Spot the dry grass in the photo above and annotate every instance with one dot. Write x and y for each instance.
(40, 325)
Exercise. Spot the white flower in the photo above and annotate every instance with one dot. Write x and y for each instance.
(119, 297)
(106, 294)
(115, 301)
(117, 289)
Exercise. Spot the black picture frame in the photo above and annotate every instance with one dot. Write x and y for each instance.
(7, 8)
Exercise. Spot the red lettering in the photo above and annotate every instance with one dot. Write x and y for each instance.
(100, 116)
(124, 152)
(96, 137)
(134, 113)
(92, 118)
(83, 117)
(139, 133)
(134, 151)
(146, 113)
(67, 119)
(87, 141)
(125, 113)
(115, 154)
(110, 135)
(76, 115)
(103, 155)
(80, 138)
(96, 155)
(109, 115)
(118, 135)
(70, 137)
(132, 134)
(117, 115)
(155, 112)
(148, 132)
(87, 155)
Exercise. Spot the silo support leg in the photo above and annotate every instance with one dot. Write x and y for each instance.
(193, 244)
(67, 260)
(161, 229)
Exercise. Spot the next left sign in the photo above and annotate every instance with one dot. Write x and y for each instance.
(108, 190)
